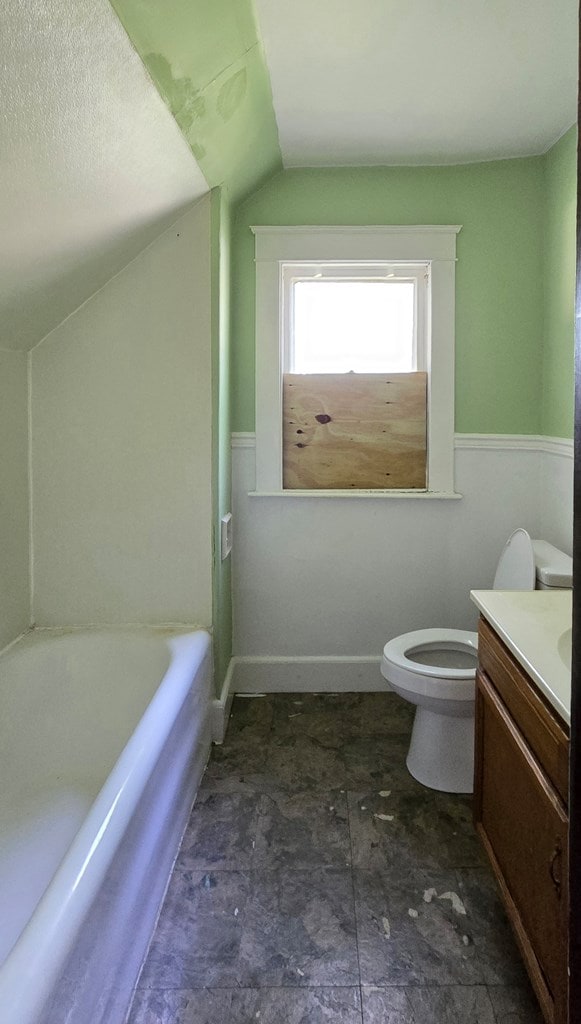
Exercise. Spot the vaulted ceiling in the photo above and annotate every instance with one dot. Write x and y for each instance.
(373, 82)
(418, 81)
(92, 166)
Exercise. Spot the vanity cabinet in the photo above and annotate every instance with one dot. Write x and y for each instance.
(520, 813)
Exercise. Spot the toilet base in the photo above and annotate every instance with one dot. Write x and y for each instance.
(441, 754)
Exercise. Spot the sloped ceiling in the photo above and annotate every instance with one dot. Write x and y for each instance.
(92, 167)
(414, 81)
(206, 59)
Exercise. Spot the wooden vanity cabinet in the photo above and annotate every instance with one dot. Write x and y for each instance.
(520, 813)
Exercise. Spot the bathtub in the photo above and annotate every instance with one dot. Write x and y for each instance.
(104, 736)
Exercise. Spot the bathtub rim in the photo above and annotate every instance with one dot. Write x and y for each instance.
(28, 973)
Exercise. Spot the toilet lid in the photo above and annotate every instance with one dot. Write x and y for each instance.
(516, 565)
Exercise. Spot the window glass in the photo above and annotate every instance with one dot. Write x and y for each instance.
(361, 326)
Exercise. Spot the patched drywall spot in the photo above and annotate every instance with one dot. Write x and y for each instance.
(184, 100)
(231, 94)
(217, 87)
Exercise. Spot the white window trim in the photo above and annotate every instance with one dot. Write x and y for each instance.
(277, 245)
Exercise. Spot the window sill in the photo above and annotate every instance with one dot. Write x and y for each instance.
(358, 493)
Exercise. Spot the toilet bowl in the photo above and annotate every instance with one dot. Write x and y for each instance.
(435, 669)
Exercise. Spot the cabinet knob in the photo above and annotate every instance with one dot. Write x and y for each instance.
(555, 867)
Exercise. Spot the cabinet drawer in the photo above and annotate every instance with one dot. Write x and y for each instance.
(524, 826)
(539, 724)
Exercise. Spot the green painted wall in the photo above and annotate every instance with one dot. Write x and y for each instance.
(499, 312)
(221, 218)
(207, 61)
(514, 335)
(560, 188)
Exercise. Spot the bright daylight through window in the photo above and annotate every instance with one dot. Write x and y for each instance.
(366, 320)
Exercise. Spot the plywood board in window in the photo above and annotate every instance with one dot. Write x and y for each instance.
(354, 430)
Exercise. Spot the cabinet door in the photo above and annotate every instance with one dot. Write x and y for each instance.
(524, 827)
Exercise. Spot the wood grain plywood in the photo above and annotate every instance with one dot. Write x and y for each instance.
(354, 430)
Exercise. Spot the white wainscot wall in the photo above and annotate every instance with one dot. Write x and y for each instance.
(556, 495)
(320, 584)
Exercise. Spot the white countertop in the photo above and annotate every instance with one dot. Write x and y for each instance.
(536, 626)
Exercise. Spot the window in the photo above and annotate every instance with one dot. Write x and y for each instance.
(356, 301)
(354, 318)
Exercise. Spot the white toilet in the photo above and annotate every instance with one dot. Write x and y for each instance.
(435, 669)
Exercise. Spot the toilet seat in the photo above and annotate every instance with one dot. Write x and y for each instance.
(445, 682)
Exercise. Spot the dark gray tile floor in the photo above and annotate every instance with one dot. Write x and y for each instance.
(318, 883)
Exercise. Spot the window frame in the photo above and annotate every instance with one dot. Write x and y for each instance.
(277, 246)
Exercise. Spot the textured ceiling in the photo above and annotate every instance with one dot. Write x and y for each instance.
(92, 167)
(414, 81)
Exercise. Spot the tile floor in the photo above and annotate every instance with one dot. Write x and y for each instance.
(318, 883)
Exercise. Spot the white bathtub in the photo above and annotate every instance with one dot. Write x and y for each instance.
(103, 739)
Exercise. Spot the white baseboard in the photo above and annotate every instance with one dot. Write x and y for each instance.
(308, 675)
(221, 705)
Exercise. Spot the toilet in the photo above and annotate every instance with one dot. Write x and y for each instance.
(435, 670)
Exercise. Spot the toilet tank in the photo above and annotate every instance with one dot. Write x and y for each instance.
(554, 569)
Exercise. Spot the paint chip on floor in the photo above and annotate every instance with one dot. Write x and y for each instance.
(457, 904)
(384, 817)
(301, 973)
(412, 912)
(386, 927)
(455, 900)
(385, 792)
